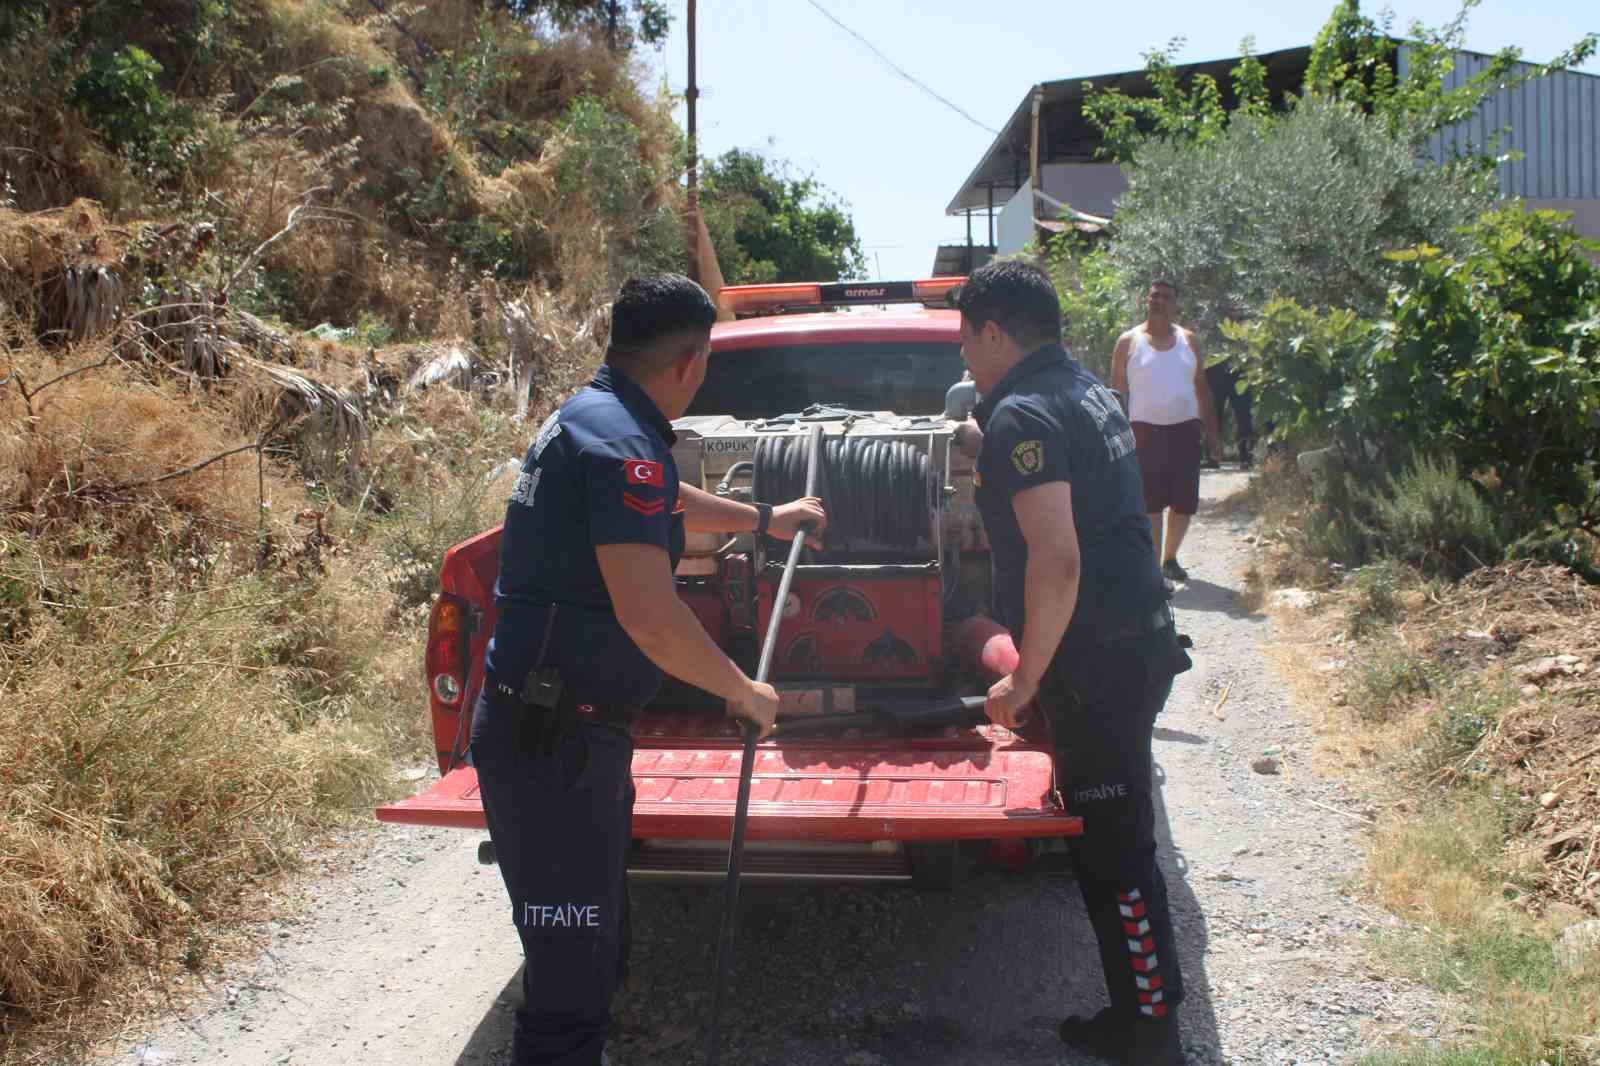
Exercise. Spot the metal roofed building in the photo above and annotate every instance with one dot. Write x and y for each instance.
(1554, 121)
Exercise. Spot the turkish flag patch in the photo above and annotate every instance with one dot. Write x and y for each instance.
(643, 472)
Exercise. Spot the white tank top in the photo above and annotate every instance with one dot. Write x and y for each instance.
(1161, 383)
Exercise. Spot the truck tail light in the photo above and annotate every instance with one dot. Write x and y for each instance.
(447, 651)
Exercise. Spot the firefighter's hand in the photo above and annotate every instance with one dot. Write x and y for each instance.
(969, 438)
(757, 704)
(1008, 701)
(787, 519)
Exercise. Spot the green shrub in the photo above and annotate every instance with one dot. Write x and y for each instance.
(602, 162)
(1389, 679)
(1494, 357)
(461, 86)
(1095, 303)
(1375, 599)
(120, 95)
(1468, 711)
(416, 536)
(1335, 534)
(1426, 516)
(1331, 518)
(372, 331)
(1491, 357)
(1301, 366)
(602, 165)
(1438, 521)
(1577, 551)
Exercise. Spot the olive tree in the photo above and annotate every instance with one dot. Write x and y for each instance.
(1300, 205)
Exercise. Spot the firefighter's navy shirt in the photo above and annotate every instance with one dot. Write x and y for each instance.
(600, 471)
(1048, 420)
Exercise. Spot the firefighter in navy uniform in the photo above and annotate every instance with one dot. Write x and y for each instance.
(589, 618)
(1076, 581)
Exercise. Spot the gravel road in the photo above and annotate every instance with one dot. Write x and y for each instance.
(402, 953)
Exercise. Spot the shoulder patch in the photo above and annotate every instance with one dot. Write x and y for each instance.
(1028, 457)
(643, 472)
(648, 508)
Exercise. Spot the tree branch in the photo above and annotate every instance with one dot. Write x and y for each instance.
(250, 260)
(111, 357)
(201, 465)
(22, 387)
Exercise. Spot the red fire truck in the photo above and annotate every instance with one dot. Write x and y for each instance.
(884, 626)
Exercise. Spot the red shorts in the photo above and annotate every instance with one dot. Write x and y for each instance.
(1169, 464)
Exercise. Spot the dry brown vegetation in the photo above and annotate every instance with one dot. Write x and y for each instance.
(1495, 680)
(190, 681)
(219, 532)
(1469, 713)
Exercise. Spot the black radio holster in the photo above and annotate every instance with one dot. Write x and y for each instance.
(542, 692)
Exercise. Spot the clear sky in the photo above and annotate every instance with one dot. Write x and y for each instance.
(778, 77)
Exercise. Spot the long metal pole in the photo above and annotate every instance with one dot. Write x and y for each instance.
(691, 95)
(741, 810)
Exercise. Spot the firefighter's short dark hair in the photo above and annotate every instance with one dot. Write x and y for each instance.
(1166, 283)
(1016, 296)
(653, 317)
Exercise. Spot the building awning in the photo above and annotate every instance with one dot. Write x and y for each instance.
(1066, 137)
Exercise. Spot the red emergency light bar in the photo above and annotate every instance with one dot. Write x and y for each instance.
(816, 296)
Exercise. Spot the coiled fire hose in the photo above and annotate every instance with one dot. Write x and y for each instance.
(741, 810)
(879, 491)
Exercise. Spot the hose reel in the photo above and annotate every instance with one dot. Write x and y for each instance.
(876, 491)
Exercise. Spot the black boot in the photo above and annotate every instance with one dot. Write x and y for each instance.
(1132, 1041)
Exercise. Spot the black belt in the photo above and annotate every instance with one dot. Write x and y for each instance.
(609, 712)
(1150, 622)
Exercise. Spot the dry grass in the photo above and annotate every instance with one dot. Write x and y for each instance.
(96, 432)
(192, 684)
(185, 693)
(170, 755)
(1470, 714)
(1469, 687)
(1283, 502)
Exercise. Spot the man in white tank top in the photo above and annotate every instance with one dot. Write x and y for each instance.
(1157, 365)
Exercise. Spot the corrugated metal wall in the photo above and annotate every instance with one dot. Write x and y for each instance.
(1553, 121)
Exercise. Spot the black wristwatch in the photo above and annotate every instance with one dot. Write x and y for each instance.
(763, 518)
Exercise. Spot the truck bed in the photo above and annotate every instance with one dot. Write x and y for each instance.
(984, 783)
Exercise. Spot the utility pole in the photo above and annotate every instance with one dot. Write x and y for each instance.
(691, 94)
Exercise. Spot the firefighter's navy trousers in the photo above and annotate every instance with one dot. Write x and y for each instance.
(1102, 705)
(559, 802)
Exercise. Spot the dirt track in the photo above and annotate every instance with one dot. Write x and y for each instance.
(404, 954)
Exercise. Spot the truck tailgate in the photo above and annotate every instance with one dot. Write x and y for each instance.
(832, 791)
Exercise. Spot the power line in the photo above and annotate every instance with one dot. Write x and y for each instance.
(891, 64)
